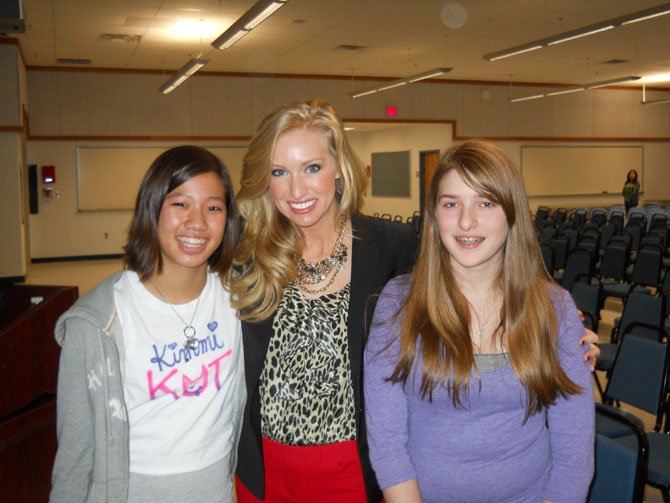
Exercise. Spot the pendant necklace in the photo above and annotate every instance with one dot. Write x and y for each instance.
(481, 323)
(481, 326)
(191, 342)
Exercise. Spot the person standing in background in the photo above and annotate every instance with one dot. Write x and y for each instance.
(631, 191)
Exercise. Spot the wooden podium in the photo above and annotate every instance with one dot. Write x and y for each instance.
(28, 377)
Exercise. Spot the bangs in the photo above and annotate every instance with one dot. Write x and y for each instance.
(480, 179)
(490, 181)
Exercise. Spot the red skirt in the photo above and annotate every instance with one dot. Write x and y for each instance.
(323, 473)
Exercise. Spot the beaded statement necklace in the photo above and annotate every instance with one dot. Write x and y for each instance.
(313, 273)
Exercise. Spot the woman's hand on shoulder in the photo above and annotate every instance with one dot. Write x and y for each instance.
(590, 338)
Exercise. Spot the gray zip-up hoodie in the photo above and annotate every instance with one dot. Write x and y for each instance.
(91, 413)
(92, 463)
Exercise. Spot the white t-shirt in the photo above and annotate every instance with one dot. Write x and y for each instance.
(180, 413)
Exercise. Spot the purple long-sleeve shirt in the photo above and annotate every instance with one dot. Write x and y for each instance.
(484, 452)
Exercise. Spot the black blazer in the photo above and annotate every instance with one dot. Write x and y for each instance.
(381, 250)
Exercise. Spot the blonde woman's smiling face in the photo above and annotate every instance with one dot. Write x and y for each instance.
(302, 180)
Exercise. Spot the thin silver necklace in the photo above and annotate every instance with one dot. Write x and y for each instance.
(481, 323)
(191, 342)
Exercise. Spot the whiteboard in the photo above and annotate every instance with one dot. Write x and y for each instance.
(563, 171)
(108, 178)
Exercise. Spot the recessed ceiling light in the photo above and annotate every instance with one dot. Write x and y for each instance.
(195, 28)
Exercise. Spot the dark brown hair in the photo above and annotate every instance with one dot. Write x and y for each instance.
(170, 170)
(628, 176)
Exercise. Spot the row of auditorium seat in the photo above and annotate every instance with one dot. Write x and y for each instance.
(626, 257)
(580, 216)
(415, 220)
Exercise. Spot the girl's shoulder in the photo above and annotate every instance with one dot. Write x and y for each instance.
(96, 308)
(393, 295)
(559, 295)
(398, 286)
(101, 297)
(564, 305)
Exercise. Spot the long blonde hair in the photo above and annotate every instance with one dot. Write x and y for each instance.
(436, 314)
(263, 260)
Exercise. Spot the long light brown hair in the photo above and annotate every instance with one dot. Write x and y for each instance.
(436, 315)
(263, 260)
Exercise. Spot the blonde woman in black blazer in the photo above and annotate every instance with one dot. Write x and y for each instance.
(309, 267)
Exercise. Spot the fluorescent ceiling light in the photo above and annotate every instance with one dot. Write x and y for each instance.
(427, 75)
(591, 29)
(400, 82)
(604, 83)
(524, 98)
(514, 53)
(258, 13)
(659, 10)
(566, 91)
(392, 85)
(182, 74)
(264, 14)
(193, 66)
(358, 94)
(580, 35)
(592, 85)
(235, 37)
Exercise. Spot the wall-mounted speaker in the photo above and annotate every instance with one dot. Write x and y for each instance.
(11, 17)
(33, 200)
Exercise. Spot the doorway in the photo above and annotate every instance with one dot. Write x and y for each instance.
(427, 163)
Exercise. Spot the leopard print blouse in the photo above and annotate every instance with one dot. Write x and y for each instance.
(306, 392)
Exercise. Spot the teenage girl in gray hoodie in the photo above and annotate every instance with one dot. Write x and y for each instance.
(151, 383)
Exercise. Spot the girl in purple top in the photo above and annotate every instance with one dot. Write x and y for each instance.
(475, 383)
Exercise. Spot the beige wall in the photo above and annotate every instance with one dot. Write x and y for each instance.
(59, 229)
(119, 105)
(70, 103)
(11, 87)
(416, 138)
(12, 221)
(12, 251)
